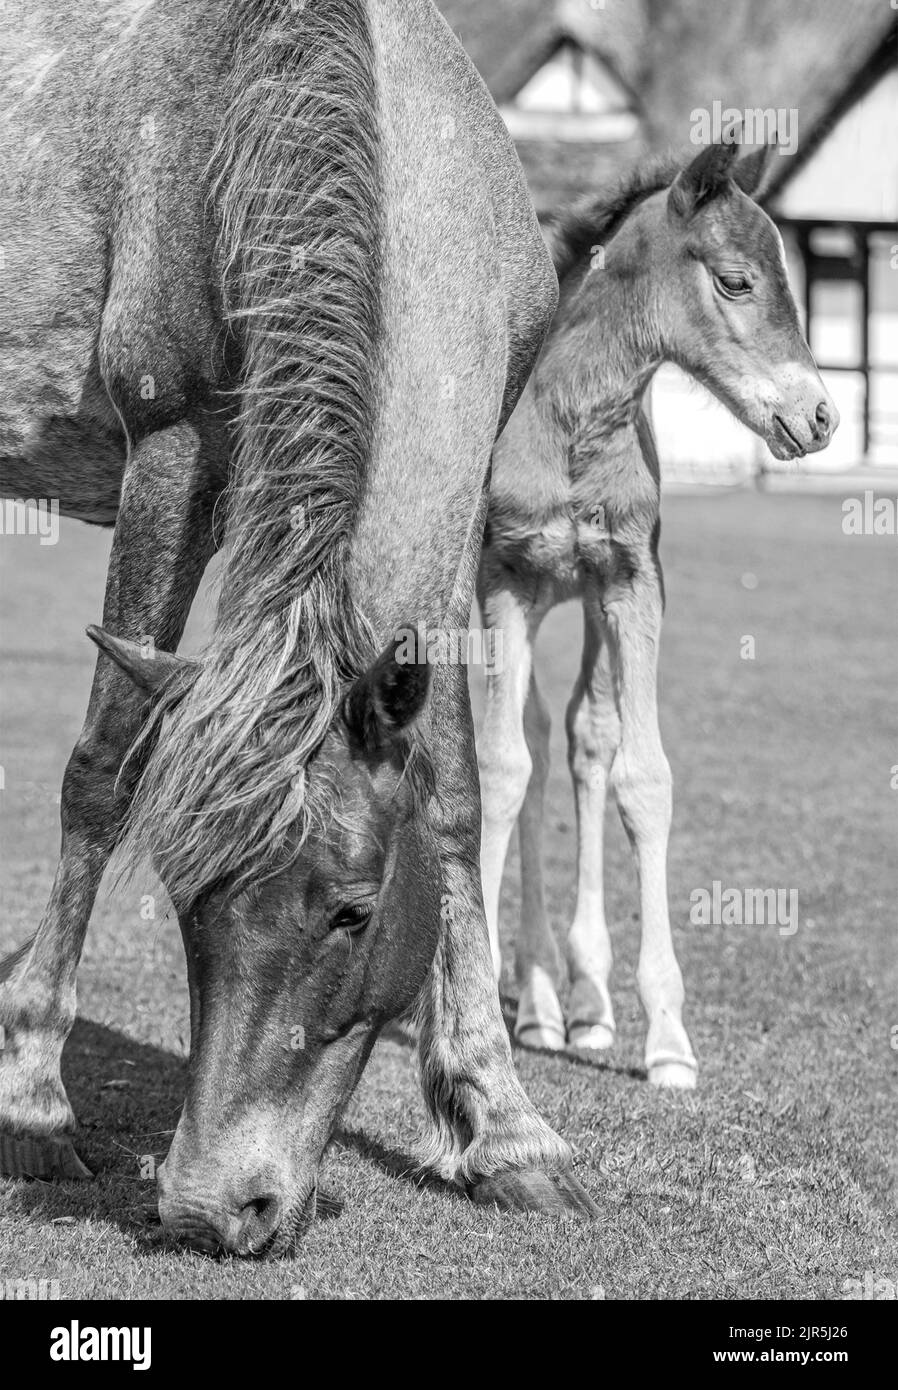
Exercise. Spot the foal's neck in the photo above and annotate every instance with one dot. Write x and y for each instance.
(603, 349)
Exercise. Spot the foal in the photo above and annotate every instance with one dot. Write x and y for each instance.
(680, 267)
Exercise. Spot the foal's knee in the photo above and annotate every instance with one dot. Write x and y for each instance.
(537, 730)
(593, 735)
(643, 786)
(504, 777)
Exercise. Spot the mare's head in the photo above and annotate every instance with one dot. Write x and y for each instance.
(292, 977)
(713, 285)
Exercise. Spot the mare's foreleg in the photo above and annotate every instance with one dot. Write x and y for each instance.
(162, 542)
(487, 1135)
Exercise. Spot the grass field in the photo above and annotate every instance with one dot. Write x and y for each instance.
(776, 1178)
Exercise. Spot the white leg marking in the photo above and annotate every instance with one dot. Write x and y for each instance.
(593, 730)
(641, 778)
(540, 1021)
(502, 753)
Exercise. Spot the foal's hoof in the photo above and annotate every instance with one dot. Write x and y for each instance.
(673, 1073)
(540, 1037)
(22, 1156)
(534, 1190)
(591, 1037)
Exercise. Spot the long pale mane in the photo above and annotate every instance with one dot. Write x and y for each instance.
(296, 194)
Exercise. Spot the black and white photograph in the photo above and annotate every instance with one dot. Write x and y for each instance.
(448, 668)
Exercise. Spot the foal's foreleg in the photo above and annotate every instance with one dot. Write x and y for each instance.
(504, 758)
(642, 782)
(593, 731)
(540, 1021)
(161, 544)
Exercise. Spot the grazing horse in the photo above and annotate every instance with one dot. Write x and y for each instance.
(273, 283)
(676, 266)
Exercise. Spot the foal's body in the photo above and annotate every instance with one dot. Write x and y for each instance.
(574, 513)
(289, 243)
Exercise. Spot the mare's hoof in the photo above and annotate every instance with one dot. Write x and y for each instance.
(22, 1156)
(534, 1190)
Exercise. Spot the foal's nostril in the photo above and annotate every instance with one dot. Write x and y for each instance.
(823, 420)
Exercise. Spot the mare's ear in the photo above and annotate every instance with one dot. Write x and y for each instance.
(701, 180)
(148, 668)
(750, 173)
(389, 696)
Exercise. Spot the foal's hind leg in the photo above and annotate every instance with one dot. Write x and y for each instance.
(593, 730)
(642, 782)
(540, 1021)
(162, 542)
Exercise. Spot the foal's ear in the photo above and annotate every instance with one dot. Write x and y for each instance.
(388, 698)
(148, 668)
(701, 180)
(750, 172)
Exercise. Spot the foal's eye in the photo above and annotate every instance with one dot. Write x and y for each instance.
(352, 917)
(733, 285)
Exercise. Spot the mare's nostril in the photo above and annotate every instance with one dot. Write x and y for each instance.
(823, 419)
(259, 1220)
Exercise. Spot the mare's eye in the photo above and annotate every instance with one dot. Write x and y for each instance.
(733, 285)
(352, 917)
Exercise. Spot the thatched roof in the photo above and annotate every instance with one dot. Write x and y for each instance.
(510, 40)
(676, 55)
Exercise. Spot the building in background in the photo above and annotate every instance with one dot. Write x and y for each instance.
(837, 206)
(587, 87)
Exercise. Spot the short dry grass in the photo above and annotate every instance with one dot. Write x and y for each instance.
(775, 1179)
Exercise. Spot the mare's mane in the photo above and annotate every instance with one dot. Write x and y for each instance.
(296, 191)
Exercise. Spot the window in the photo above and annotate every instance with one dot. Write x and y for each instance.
(572, 96)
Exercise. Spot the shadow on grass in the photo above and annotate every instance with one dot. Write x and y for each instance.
(127, 1098)
(402, 1032)
(577, 1056)
(394, 1162)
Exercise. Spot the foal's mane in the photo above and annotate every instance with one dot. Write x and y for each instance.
(296, 190)
(573, 233)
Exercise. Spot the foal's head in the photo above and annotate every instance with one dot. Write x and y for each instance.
(714, 290)
(292, 977)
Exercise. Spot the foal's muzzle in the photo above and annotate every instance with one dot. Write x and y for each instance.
(804, 417)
